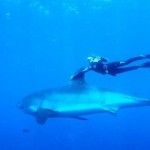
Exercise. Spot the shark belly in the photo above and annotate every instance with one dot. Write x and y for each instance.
(88, 103)
(79, 110)
(74, 105)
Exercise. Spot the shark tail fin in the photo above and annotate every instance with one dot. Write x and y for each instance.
(144, 102)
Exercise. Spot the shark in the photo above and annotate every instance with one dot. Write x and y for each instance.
(76, 100)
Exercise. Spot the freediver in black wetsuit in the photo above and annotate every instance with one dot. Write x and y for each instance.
(101, 65)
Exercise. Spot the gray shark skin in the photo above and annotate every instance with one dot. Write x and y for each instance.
(76, 100)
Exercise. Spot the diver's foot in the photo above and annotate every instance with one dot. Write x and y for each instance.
(145, 56)
(146, 65)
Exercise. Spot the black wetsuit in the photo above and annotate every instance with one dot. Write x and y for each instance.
(116, 67)
(113, 68)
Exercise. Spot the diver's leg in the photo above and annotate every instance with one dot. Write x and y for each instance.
(118, 70)
(145, 65)
(131, 60)
(122, 70)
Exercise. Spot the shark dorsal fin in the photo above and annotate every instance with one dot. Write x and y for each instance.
(78, 79)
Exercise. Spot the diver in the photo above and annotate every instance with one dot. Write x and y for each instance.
(101, 65)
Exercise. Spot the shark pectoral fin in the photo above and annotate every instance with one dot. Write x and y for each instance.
(79, 118)
(43, 115)
(41, 119)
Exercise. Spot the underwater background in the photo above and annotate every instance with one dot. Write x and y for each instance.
(43, 42)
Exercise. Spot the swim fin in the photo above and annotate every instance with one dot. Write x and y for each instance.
(147, 56)
(146, 65)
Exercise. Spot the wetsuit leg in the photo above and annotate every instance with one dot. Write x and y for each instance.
(145, 65)
(141, 57)
(123, 63)
(122, 70)
(116, 67)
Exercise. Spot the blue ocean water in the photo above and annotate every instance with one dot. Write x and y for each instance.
(43, 42)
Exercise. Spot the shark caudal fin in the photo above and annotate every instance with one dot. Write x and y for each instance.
(146, 101)
(143, 102)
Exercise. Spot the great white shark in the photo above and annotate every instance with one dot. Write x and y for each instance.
(76, 100)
